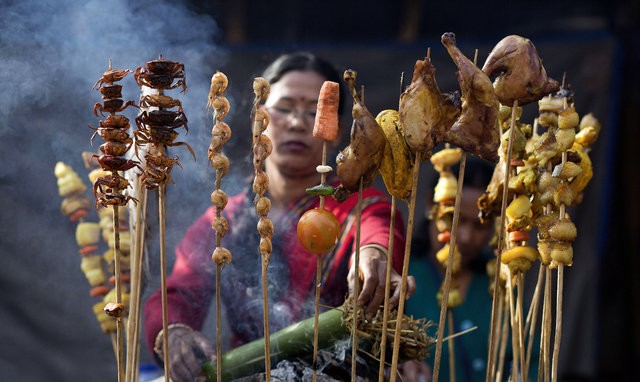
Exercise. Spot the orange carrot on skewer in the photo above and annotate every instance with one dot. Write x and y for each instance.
(326, 124)
(318, 229)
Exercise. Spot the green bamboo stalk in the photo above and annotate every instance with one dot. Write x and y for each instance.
(293, 341)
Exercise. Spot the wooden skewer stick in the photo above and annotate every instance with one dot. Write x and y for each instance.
(452, 358)
(520, 297)
(559, 289)
(405, 261)
(356, 284)
(316, 331)
(405, 266)
(449, 270)
(218, 325)
(514, 337)
(545, 341)
(504, 335)
(505, 194)
(218, 102)
(532, 317)
(119, 323)
(261, 90)
(558, 335)
(387, 285)
(114, 344)
(133, 329)
(560, 282)
(163, 278)
(387, 291)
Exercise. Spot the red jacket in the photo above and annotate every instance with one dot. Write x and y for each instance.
(191, 285)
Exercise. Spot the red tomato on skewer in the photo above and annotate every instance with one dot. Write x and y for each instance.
(318, 230)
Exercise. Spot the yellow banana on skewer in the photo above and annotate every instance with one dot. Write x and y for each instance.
(397, 159)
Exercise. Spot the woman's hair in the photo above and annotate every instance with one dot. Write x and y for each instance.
(304, 61)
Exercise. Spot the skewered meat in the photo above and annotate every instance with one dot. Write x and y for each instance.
(476, 130)
(361, 159)
(517, 71)
(425, 113)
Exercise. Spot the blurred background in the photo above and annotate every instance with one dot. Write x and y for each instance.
(52, 52)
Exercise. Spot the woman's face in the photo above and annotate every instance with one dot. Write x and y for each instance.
(292, 105)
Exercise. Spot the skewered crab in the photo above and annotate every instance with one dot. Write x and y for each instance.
(114, 163)
(162, 118)
(159, 100)
(110, 76)
(110, 182)
(159, 74)
(111, 106)
(113, 199)
(159, 136)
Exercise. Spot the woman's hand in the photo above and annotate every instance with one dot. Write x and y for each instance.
(188, 350)
(372, 272)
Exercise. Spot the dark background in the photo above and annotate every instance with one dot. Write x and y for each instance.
(53, 51)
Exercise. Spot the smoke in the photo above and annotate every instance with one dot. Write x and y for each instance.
(54, 51)
(51, 54)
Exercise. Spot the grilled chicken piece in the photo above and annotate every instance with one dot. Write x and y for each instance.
(425, 113)
(517, 71)
(361, 159)
(476, 130)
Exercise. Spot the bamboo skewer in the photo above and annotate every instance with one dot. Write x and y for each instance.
(387, 291)
(387, 284)
(546, 327)
(316, 331)
(220, 134)
(133, 329)
(452, 358)
(519, 302)
(119, 323)
(514, 325)
(532, 317)
(502, 334)
(163, 279)
(505, 193)
(405, 265)
(559, 291)
(449, 270)
(558, 334)
(356, 284)
(260, 120)
(449, 273)
(496, 333)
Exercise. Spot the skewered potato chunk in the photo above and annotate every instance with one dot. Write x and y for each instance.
(519, 207)
(446, 188)
(87, 233)
(68, 180)
(443, 254)
(519, 258)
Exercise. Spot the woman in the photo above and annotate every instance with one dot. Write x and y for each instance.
(295, 81)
